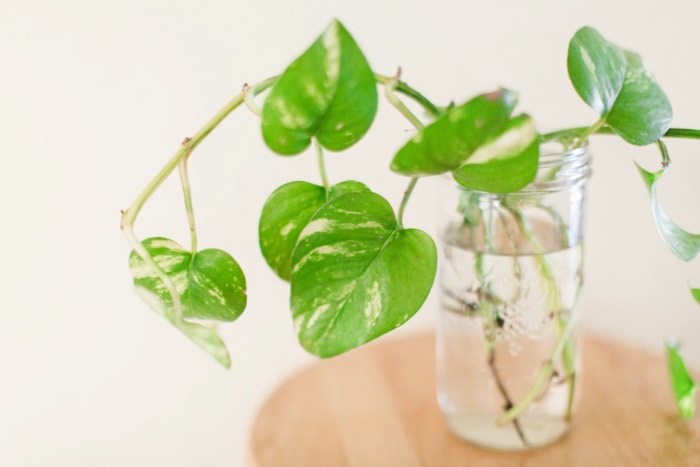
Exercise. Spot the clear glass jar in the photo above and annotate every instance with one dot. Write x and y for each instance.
(510, 278)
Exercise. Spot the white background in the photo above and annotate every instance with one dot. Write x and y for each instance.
(95, 96)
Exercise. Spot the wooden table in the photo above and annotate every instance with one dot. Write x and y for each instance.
(375, 406)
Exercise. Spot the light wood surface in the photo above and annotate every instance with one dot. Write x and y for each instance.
(375, 406)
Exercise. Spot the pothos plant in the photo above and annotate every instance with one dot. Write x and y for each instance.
(355, 270)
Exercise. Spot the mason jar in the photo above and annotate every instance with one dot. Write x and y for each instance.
(511, 273)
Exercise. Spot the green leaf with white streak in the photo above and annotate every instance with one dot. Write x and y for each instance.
(615, 83)
(329, 93)
(210, 284)
(596, 68)
(683, 244)
(682, 383)
(356, 274)
(505, 164)
(642, 113)
(448, 142)
(285, 214)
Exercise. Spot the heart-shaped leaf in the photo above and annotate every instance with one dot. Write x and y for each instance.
(356, 275)
(505, 164)
(285, 214)
(210, 283)
(329, 92)
(683, 244)
(596, 68)
(641, 113)
(614, 82)
(682, 383)
(448, 142)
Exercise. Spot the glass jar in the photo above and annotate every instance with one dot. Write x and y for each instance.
(510, 277)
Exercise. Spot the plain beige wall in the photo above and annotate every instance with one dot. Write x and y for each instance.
(96, 96)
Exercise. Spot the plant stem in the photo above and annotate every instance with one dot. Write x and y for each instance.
(504, 393)
(544, 375)
(404, 201)
(588, 132)
(187, 192)
(187, 147)
(322, 167)
(407, 90)
(389, 86)
(606, 130)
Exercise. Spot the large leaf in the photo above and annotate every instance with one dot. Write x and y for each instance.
(210, 283)
(285, 214)
(329, 92)
(642, 113)
(356, 274)
(683, 244)
(682, 383)
(596, 68)
(506, 164)
(449, 141)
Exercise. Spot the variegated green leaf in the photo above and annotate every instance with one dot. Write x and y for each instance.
(683, 244)
(210, 283)
(505, 164)
(641, 113)
(356, 274)
(596, 68)
(329, 93)
(684, 388)
(615, 83)
(285, 214)
(448, 142)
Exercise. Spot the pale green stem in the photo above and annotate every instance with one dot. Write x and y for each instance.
(588, 132)
(404, 201)
(189, 208)
(322, 167)
(389, 87)
(568, 354)
(544, 376)
(249, 102)
(407, 90)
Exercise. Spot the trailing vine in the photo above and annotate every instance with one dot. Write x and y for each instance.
(355, 271)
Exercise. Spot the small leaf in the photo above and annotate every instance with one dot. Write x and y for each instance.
(642, 113)
(682, 383)
(505, 164)
(285, 214)
(683, 244)
(356, 275)
(596, 68)
(449, 141)
(329, 92)
(210, 283)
